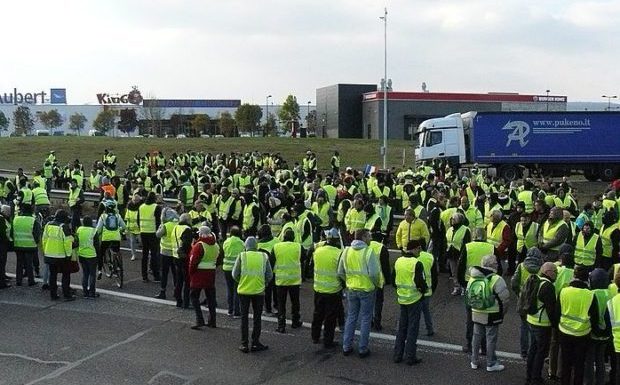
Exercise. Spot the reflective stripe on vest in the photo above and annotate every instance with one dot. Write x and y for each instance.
(575, 304)
(549, 233)
(494, 233)
(406, 291)
(147, 218)
(326, 270)
(233, 246)
(585, 254)
(356, 269)
(541, 318)
(475, 252)
(248, 217)
(86, 245)
(166, 243)
(288, 263)
(40, 196)
(177, 232)
(455, 238)
(527, 240)
(54, 242)
(606, 239)
(427, 261)
(252, 278)
(613, 306)
(209, 256)
(22, 232)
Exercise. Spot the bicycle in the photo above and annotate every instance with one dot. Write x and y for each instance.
(113, 267)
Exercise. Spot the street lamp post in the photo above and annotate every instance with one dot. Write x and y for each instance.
(609, 97)
(385, 79)
(266, 112)
(547, 99)
(308, 117)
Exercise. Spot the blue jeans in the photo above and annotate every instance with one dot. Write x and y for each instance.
(426, 311)
(360, 304)
(231, 294)
(525, 337)
(407, 334)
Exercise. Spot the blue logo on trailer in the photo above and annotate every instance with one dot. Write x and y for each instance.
(58, 96)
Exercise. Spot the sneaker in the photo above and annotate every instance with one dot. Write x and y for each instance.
(99, 275)
(236, 316)
(244, 349)
(258, 347)
(495, 368)
(347, 352)
(268, 313)
(161, 295)
(133, 257)
(297, 325)
(456, 291)
(473, 365)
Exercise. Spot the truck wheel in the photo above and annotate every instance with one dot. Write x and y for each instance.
(591, 174)
(509, 173)
(608, 173)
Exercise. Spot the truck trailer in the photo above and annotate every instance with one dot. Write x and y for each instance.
(516, 144)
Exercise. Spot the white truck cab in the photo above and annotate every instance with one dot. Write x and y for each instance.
(445, 138)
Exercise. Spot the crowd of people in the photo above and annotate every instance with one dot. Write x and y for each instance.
(270, 225)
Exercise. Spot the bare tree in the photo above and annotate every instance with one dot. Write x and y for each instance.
(152, 113)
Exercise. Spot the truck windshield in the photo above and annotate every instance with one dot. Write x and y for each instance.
(432, 138)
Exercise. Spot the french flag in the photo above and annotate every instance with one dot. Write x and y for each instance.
(369, 169)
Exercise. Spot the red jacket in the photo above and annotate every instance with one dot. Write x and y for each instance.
(200, 279)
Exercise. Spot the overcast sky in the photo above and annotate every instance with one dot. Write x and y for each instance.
(247, 49)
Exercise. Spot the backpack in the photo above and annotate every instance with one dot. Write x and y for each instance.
(527, 303)
(479, 295)
(111, 222)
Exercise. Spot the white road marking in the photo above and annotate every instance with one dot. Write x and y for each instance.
(33, 359)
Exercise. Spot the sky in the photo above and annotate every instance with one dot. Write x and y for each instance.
(246, 49)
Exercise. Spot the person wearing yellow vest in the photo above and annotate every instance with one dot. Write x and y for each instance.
(411, 228)
(527, 197)
(225, 206)
(327, 289)
(57, 243)
(526, 235)
(182, 237)
(187, 193)
(275, 217)
(600, 336)
(541, 323)
(266, 242)
(579, 315)
(610, 239)
(232, 247)
(41, 200)
(487, 320)
(323, 211)
(169, 219)
(24, 193)
(202, 261)
(335, 164)
(553, 234)
(431, 275)
(26, 238)
(76, 199)
(251, 270)
(287, 271)
(359, 267)
(380, 250)
(588, 247)
(499, 235)
(149, 218)
(87, 253)
(613, 315)
(475, 221)
(411, 286)
(355, 218)
(131, 221)
(457, 236)
(5, 242)
(251, 214)
(110, 226)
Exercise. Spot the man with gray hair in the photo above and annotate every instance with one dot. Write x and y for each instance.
(252, 270)
(554, 233)
(488, 296)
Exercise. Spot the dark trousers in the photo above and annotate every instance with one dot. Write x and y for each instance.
(293, 293)
(376, 319)
(257, 308)
(271, 296)
(615, 380)
(540, 339)
(326, 310)
(181, 287)
(76, 217)
(439, 252)
(407, 334)
(167, 265)
(89, 275)
(307, 264)
(573, 352)
(24, 262)
(3, 257)
(231, 294)
(60, 267)
(211, 304)
(150, 249)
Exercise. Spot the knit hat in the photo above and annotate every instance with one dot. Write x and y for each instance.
(533, 260)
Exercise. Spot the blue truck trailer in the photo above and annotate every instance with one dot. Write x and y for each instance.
(513, 144)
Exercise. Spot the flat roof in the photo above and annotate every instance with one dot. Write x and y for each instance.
(463, 97)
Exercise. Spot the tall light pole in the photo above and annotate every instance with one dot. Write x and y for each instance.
(385, 80)
(609, 97)
(308, 116)
(266, 112)
(547, 99)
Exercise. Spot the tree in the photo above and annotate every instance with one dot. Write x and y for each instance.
(199, 124)
(248, 117)
(4, 123)
(311, 122)
(289, 112)
(22, 120)
(128, 120)
(152, 114)
(77, 122)
(227, 124)
(50, 119)
(271, 125)
(105, 120)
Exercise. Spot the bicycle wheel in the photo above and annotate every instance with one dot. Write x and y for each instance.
(119, 273)
(107, 264)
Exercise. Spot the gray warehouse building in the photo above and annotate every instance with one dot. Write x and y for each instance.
(356, 110)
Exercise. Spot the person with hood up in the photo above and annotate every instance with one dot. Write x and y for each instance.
(487, 321)
(530, 266)
(599, 338)
(169, 219)
(542, 322)
(202, 261)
